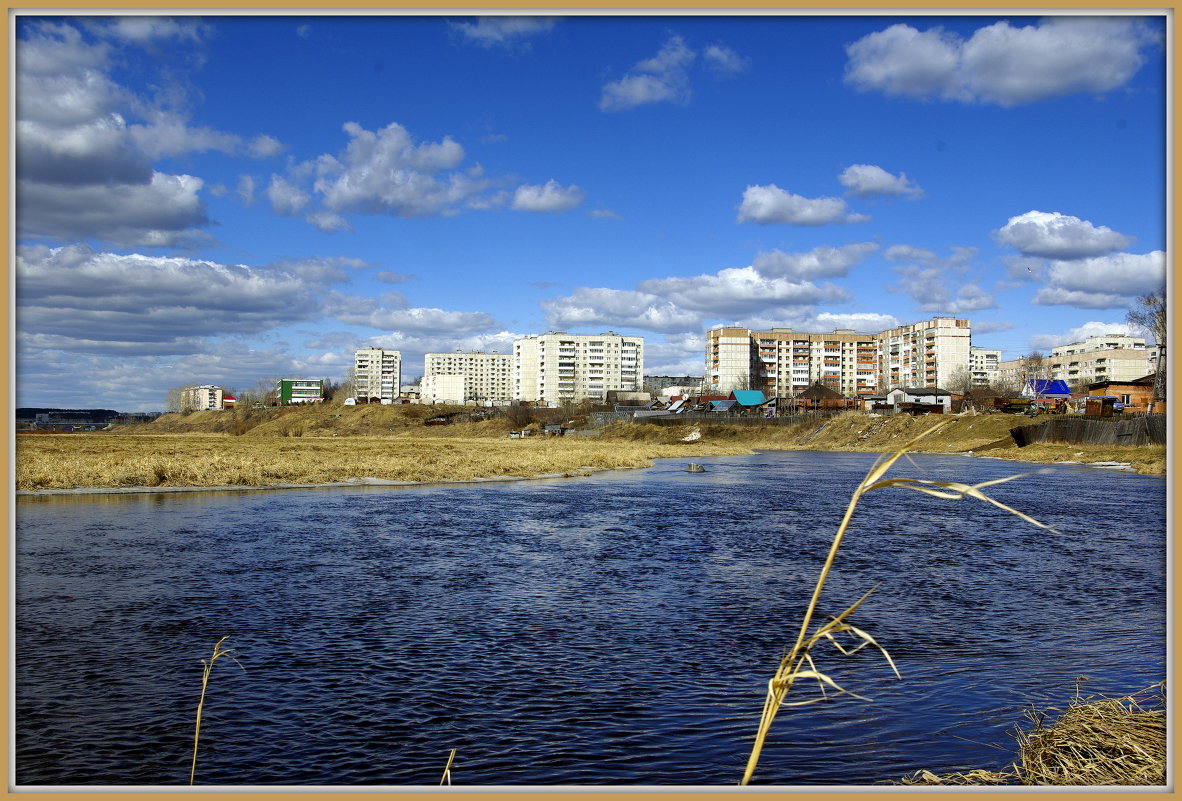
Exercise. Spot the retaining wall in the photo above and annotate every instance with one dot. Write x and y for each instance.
(1149, 429)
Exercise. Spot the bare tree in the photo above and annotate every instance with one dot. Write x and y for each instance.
(1150, 314)
(180, 399)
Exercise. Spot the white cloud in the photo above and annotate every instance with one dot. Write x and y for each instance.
(866, 180)
(661, 79)
(1000, 63)
(1080, 333)
(163, 213)
(264, 146)
(246, 188)
(739, 291)
(960, 258)
(1059, 236)
(724, 60)
(392, 313)
(928, 286)
(771, 204)
(503, 31)
(81, 299)
(286, 198)
(550, 197)
(143, 30)
(1105, 282)
(617, 308)
(820, 262)
(387, 172)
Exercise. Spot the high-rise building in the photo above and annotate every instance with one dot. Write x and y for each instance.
(556, 367)
(984, 365)
(482, 377)
(782, 362)
(377, 374)
(203, 397)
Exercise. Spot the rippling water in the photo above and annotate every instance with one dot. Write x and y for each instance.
(615, 629)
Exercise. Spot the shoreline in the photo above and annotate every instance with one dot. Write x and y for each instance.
(581, 472)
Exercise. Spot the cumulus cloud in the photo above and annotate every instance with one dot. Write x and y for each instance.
(820, 262)
(83, 299)
(503, 31)
(960, 258)
(392, 312)
(771, 204)
(1000, 63)
(164, 212)
(80, 137)
(740, 291)
(929, 287)
(664, 78)
(1059, 236)
(286, 198)
(1092, 328)
(866, 180)
(551, 197)
(388, 172)
(587, 307)
(1104, 282)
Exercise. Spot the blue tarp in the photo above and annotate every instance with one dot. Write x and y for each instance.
(721, 406)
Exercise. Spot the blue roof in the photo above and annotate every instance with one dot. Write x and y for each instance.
(721, 406)
(1042, 386)
(749, 397)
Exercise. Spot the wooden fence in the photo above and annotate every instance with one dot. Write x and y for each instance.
(1149, 429)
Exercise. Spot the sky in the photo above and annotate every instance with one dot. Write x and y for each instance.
(229, 199)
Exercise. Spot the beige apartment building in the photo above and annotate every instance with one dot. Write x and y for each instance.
(557, 367)
(461, 377)
(206, 396)
(1111, 357)
(782, 362)
(377, 373)
(984, 365)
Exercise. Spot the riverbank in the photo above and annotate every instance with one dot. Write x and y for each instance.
(173, 456)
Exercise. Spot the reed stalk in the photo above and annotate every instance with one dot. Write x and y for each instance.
(798, 662)
(447, 769)
(218, 652)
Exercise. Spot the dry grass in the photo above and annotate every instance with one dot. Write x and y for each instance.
(218, 652)
(1095, 742)
(798, 663)
(211, 460)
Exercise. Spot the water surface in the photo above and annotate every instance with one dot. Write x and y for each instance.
(613, 629)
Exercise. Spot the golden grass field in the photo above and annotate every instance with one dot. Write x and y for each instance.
(335, 444)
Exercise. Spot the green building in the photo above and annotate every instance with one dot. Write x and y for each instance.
(299, 390)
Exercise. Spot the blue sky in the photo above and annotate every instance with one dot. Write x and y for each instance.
(228, 199)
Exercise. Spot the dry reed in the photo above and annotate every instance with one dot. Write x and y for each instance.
(798, 663)
(447, 769)
(1095, 741)
(218, 652)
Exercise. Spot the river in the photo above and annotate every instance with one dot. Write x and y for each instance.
(617, 629)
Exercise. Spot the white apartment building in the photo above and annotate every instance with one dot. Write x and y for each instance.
(1111, 357)
(557, 367)
(200, 398)
(377, 373)
(482, 377)
(782, 362)
(983, 366)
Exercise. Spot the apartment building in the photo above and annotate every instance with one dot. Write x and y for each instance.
(459, 377)
(377, 373)
(200, 398)
(557, 367)
(983, 366)
(1110, 357)
(783, 362)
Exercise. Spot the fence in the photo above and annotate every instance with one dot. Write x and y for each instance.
(1149, 429)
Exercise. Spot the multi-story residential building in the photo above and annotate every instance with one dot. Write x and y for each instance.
(1112, 357)
(207, 396)
(557, 367)
(483, 377)
(299, 390)
(377, 373)
(983, 366)
(782, 362)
